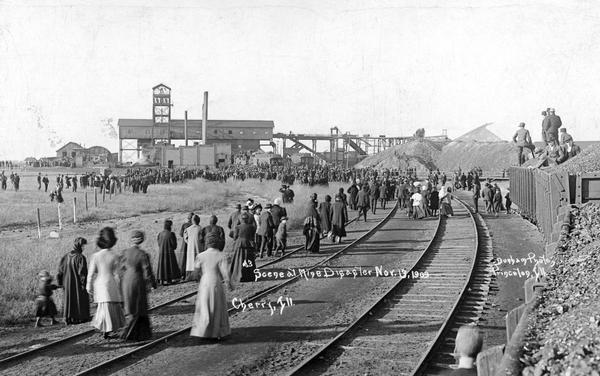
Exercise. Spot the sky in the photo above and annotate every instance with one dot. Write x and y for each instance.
(368, 67)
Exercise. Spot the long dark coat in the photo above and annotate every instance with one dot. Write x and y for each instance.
(312, 228)
(243, 262)
(277, 212)
(72, 275)
(338, 218)
(167, 262)
(134, 285)
(325, 214)
(218, 230)
(363, 199)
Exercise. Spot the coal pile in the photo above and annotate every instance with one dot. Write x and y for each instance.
(587, 161)
(563, 335)
(489, 156)
(420, 154)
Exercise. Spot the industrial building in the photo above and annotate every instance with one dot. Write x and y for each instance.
(150, 139)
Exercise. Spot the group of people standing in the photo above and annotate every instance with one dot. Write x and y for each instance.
(119, 285)
(557, 148)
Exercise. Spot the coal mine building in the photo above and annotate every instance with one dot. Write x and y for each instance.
(243, 135)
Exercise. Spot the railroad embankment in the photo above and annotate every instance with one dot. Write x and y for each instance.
(563, 332)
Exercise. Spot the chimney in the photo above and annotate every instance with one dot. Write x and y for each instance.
(204, 117)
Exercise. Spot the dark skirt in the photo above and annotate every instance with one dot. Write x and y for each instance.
(338, 230)
(243, 264)
(313, 239)
(446, 209)
(44, 306)
(167, 267)
(183, 258)
(137, 328)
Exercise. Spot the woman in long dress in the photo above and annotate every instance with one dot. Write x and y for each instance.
(72, 275)
(416, 198)
(192, 238)
(168, 270)
(312, 226)
(211, 319)
(136, 281)
(243, 262)
(339, 217)
(103, 284)
(446, 202)
(434, 201)
(183, 251)
(325, 214)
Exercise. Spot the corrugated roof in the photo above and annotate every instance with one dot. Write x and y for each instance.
(198, 123)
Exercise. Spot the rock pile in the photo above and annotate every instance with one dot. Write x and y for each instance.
(417, 154)
(489, 156)
(563, 336)
(587, 161)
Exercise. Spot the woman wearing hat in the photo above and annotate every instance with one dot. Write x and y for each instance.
(243, 262)
(72, 275)
(312, 226)
(103, 284)
(136, 280)
(325, 214)
(339, 217)
(211, 319)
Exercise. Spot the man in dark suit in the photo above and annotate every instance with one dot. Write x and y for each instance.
(551, 124)
(363, 202)
(265, 231)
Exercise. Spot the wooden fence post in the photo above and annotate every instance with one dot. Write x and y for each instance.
(59, 217)
(95, 197)
(103, 194)
(39, 224)
(74, 209)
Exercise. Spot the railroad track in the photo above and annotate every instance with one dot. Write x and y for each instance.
(9, 362)
(402, 330)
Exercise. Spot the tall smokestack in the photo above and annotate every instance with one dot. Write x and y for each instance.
(185, 129)
(204, 117)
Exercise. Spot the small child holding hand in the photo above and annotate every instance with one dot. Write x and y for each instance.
(45, 306)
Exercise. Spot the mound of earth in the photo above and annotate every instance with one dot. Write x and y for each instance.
(419, 154)
(586, 161)
(489, 156)
(563, 333)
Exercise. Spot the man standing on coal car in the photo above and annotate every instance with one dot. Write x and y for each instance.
(522, 139)
(551, 125)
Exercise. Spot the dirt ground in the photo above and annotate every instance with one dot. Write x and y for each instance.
(514, 240)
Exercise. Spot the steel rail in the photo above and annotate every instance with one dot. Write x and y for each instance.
(9, 359)
(109, 362)
(366, 313)
(422, 364)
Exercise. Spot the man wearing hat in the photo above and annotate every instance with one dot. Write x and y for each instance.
(265, 231)
(551, 124)
(565, 137)
(523, 139)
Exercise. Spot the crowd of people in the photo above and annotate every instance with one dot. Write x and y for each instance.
(557, 148)
(119, 282)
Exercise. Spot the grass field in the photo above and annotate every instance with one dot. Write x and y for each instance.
(23, 255)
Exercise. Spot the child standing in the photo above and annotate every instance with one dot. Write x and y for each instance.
(45, 306)
(281, 236)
